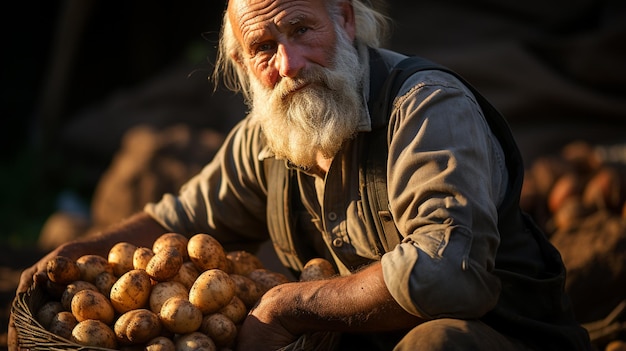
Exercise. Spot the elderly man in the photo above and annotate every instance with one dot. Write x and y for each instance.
(468, 270)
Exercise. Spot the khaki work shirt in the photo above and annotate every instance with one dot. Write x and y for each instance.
(446, 176)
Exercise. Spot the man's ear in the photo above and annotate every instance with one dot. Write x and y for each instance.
(236, 57)
(347, 15)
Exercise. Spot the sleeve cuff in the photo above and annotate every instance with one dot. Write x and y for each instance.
(397, 269)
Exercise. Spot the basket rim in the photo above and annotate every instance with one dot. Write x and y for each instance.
(31, 334)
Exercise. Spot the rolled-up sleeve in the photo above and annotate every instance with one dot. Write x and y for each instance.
(446, 176)
(227, 198)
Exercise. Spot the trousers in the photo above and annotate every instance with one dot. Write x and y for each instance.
(444, 334)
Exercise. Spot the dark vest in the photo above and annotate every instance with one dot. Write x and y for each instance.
(532, 305)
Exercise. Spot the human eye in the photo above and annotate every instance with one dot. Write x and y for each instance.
(264, 47)
(301, 30)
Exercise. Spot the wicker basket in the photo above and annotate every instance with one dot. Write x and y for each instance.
(34, 337)
(31, 334)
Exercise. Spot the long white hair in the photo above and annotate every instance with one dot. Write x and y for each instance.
(371, 29)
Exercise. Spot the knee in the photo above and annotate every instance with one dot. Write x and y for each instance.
(439, 335)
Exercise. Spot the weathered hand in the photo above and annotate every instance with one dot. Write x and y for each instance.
(263, 329)
(37, 273)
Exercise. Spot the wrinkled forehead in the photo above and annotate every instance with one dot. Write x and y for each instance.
(246, 16)
(239, 9)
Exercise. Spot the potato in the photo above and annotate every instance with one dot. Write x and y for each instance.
(246, 289)
(604, 189)
(55, 290)
(137, 327)
(104, 282)
(206, 252)
(219, 328)
(92, 265)
(195, 341)
(212, 291)
(63, 270)
(235, 310)
(567, 186)
(47, 312)
(570, 214)
(169, 240)
(121, 257)
(163, 291)
(267, 279)
(180, 316)
(91, 304)
(120, 325)
(317, 269)
(229, 266)
(141, 257)
(160, 343)
(71, 289)
(187, 274)
(164, 264)
(131, 291)
(616, 345)
(93, 332)
(62, 324)
(243, 262)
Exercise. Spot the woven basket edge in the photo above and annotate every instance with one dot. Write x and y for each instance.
(24, 319)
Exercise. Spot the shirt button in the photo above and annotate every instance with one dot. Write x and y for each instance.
(337, 242)
(332, 216)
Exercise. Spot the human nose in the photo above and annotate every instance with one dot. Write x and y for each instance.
(290, 60)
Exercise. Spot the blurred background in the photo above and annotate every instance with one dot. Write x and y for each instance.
(77, 75)
(106, 105)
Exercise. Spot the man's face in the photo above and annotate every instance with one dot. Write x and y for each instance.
(304, 75)
(281, 37)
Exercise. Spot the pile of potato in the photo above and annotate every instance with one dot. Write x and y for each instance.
(181, 294)
(578, 196)
(562, 190)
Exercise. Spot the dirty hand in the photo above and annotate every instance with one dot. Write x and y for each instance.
(265, 327)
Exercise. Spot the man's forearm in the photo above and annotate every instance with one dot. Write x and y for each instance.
(358, 302)
(139, 229)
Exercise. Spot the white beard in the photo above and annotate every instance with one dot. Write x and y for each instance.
(318, 118)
